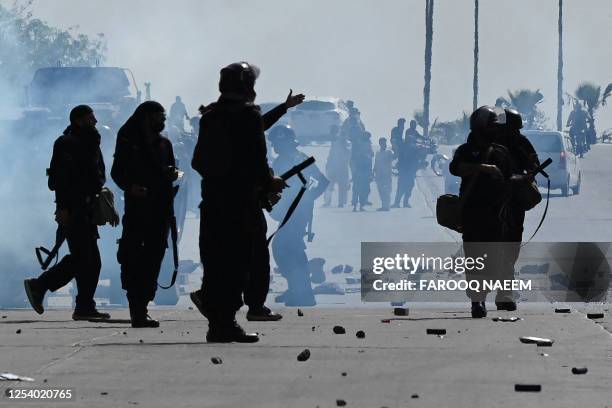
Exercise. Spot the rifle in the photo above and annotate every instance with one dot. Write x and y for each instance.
(60, 237)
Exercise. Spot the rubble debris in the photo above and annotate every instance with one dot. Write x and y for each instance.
(540, 341)
(45, 380)
(579, 370)
(527, 387)
(544, 343)
(300, 313)
(340, 403)
(344, 374)
(562, 310)
(125, 333)
(339, 330)
(439, 332)
(4, 317)
(595, 316)
(385, 321)
(360, 334)
(190, 308)
(304, 355)
(104, 393)
(401, 311)
(140, 341)
(14, 377)
(414, 396)
(313, 328)
(507, 319)
(216, 360)
(18, 331)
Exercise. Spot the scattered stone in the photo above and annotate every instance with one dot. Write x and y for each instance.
(304, 355)
(361, 351)
(562, 310)
(161, 331)
(360, 334)
(544, 343)
(544, 354)
(344, 374)
(313, 328)
(527, 387)
(340, 403)
(439, 332)
(385, 321)
(125, 333)
(45, 380)
(414, 396)
(595, 316)
(104, 393)
(216, 360)
(400, 311)
(18, 331)
(535, 340)
(579, 370)
(300, 313)
(140, 341)
(339, 330)
(14, 377)
(190, 308)
(506, 319)
(4, 317)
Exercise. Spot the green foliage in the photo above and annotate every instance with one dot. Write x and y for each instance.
(452, 132)
(27, 43)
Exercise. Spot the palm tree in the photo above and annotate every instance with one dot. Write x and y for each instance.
(525, 101)
(429, 10)
(476, 51)
(590, 95)
(560, 70)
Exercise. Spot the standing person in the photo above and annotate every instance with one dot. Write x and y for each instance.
(337, 168)
(361, 168)
(408, 163)
(484, 168)
(76, 174)
(178, 113)
(232, 186)
(397, 134)
(145, 169)
(383, 165)
(288, 246)
(525, 160)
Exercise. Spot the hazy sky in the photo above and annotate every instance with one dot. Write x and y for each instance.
(366, 50)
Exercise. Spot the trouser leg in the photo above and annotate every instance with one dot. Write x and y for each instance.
(343, 188)
(259, 273)
(409, 185)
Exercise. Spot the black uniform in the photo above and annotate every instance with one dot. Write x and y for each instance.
(146, 222)
(77, 174)
(481, 218)
(231, 158)
(408, 162)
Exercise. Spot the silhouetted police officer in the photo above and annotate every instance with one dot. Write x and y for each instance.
(144, 168)
(76, 174)
(484, 168)
(408, 162)
(233, 185)
(288, 245)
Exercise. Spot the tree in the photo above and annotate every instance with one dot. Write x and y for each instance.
(429, 10)
(560, 70)
(527, 102)
(452, 132)
(27, 43)
(476, 55)
(591, 97)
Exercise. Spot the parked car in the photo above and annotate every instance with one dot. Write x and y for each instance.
(315, 120)
(565, 171)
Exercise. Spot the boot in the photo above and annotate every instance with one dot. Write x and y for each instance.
(509, 306)
(89, 315)
(139, 314)
(262, 314)
(36, 294)
(228, 333)
(479, 310)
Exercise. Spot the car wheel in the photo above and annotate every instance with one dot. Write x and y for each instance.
(576, 188)
(566, 188)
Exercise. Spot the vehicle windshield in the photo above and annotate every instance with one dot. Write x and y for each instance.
(63, 86)
(546, 142)
(316, 106)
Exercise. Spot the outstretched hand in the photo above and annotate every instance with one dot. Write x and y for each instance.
(294, 100)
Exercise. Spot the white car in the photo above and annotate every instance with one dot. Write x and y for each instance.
(315, 119)
(564, 171)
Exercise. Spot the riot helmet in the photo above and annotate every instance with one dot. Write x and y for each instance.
(238, 77)
(514, 120)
